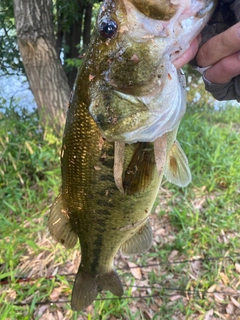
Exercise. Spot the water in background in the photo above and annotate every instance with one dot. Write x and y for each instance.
(14, 90)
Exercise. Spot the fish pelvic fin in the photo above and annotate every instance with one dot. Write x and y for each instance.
(119, 155)
(176, 169)
(87, 286)
(140, 171)
(59, 225)
(140, 242)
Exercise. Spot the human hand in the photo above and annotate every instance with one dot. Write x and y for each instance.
(219, 52)
(189, 54)
(222, 53)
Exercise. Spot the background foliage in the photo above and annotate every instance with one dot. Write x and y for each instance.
(72, 34)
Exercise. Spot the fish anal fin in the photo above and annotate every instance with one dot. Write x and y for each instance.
(176, 169)
(59, 225)
(87, 286)
(140, 242)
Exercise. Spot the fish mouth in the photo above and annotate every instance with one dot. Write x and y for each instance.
(157, 33)
(159, 10)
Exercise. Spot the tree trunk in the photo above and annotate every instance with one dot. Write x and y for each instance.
(47, 79)
(72, 38)
(87, 25)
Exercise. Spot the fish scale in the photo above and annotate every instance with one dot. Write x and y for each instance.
(120, 136)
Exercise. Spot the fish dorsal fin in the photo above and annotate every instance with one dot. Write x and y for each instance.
(59, 225)
(140, 242)
(176, 169)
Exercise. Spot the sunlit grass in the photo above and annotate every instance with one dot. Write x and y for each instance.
(202, 220)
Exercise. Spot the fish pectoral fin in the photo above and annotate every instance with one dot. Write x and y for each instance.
(140, 242)
(59, 225)
(176, 169)
(87, 286)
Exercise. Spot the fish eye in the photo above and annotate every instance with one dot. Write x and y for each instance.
(107, 28)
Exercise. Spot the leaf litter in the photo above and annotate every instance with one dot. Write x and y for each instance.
(181, 286)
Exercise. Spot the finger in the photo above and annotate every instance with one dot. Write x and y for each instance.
(220, 46)
(224, 70)
(187, 55)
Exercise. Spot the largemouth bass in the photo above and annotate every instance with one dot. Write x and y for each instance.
(120, 135)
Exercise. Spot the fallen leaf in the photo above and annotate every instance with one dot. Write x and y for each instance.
(235, 302)
(11, 295)
(89, 309)
(230, 308)
(174, 298)
(224, 278)
(54, 296)
(219, 297)
(135, 270)
(237, 266)
(172, 255)
(147, 315)
(154, 307)
(47, 316)
(212, 288)
(208, 315)
(59, 315)
(41, 310)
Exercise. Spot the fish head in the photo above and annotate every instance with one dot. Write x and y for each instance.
(136, 94)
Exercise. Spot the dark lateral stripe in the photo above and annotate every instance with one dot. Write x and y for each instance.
(101, 224)
(103, 212)
(108, 163)
(105, 203)
(107, 177)
(96, 253)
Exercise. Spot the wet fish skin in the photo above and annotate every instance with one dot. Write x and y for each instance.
(91, 207)
(104, 215)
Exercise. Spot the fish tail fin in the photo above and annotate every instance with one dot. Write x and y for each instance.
(84, 291)
(59, 225)
(87, 286)
(110, 281)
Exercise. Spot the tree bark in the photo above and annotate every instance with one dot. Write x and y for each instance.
(72, 38)
(87, 24)
(47, 79)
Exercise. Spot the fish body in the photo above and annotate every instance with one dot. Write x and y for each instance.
(110, 177)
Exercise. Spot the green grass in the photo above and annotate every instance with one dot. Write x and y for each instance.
(202, 220)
